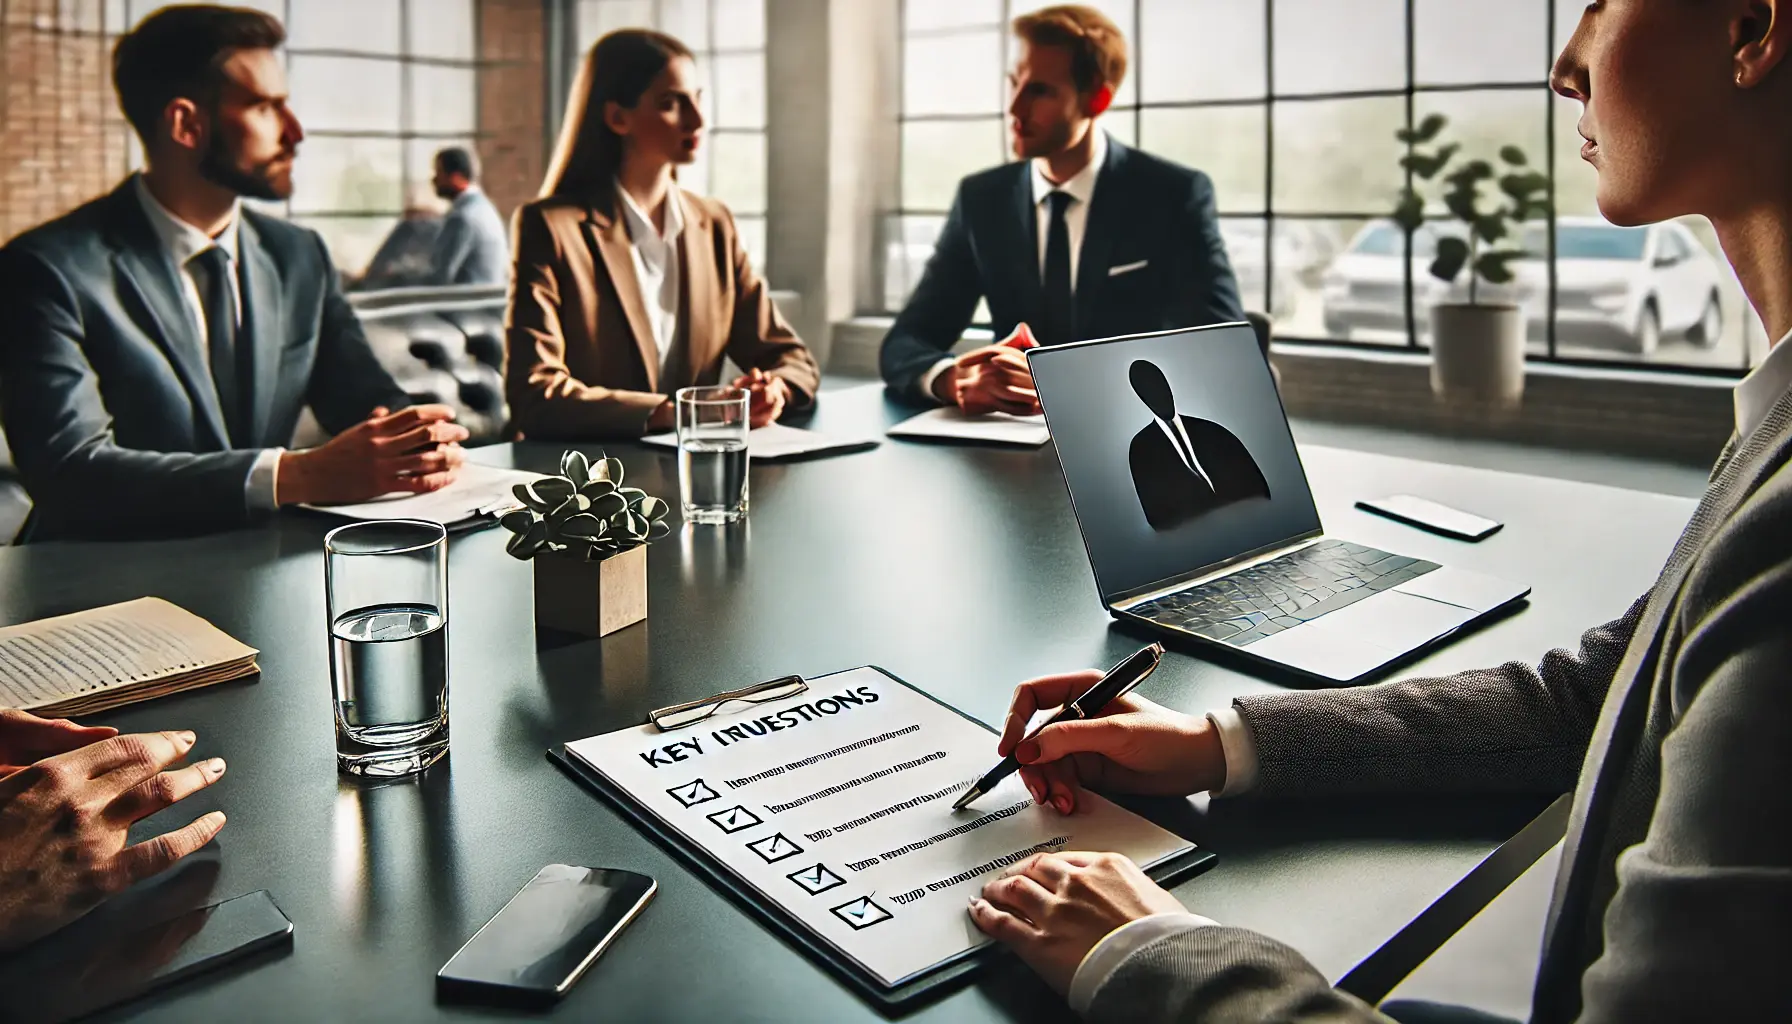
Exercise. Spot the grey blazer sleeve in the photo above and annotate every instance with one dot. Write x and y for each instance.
(1221, 976)
(61, 434)
(1701, 925)
(347, 381)
(1514, 728)
(938, 311)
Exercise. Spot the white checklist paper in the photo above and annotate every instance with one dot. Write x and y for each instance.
(836, 804)
(995, 427)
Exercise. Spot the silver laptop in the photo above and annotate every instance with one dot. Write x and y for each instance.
(1199, 521)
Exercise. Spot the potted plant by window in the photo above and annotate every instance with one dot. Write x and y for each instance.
(587, 535)
(1477, 347)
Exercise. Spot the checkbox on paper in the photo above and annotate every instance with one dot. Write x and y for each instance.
(693, 793)
(815, 880)
(861, 913)
(734, 819)
(774, 848)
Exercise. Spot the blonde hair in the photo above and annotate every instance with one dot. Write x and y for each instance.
(619, 68)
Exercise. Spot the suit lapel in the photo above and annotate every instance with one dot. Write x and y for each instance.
(146, 270)
(261, 336)
(609, 236)
(1106, 213)
(697, 290)
(1739, 470)
(1024, 241)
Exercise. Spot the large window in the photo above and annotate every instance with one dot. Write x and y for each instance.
(1292, 107)
(728, 38)
(379, 86)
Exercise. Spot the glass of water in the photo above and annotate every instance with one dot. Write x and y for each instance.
(712, 454)
(386, 594)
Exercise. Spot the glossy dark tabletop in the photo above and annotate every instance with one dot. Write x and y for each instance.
(957, 568)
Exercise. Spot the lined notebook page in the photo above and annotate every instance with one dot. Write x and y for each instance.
(104, 657)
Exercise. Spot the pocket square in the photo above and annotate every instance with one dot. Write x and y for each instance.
(1127, 268)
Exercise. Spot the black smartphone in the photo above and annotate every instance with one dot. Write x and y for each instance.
(1429, 515)
(132, 962)
(535, 947)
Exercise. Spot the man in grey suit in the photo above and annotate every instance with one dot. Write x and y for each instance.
(1671, 725)
(160, 342)
(472, 248)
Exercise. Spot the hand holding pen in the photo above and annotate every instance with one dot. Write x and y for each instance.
(1132, 745)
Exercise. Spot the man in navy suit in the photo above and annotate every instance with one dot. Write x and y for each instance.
(1082, 237)
(160, 342)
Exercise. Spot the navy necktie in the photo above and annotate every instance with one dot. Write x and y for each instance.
(1058, 324)
(218, 299)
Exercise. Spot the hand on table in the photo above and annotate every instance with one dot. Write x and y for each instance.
(770, 394)
(1132, 746)
(995, 378)
(416, 450)
(26, 738)
(64, 822)
(1052, 908)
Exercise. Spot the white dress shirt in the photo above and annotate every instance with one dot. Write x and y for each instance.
(656, 267)
(182, 241)
(1755, 395)
(1081, 188)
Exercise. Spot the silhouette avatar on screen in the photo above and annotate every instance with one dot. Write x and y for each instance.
(1184, 467)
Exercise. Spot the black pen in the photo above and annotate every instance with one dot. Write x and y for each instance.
(1119, 680)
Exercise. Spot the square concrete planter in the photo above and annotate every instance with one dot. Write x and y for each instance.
(591, 598)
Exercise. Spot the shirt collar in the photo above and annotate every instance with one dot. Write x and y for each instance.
(1757, 392)
(467, 195)
(640, 225)
(1081, 186)
(182, 240)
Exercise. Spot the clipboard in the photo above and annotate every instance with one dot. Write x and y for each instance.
(942, 978)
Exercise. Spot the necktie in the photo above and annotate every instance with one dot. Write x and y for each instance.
(218, 299)
(1058, 324)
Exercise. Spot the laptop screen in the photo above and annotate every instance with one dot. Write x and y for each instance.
(1176, 451)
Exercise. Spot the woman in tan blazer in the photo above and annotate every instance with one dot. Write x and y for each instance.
(628, 287)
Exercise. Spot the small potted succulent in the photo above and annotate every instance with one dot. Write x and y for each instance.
(1477, 347)
(587, 535)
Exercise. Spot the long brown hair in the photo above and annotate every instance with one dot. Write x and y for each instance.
(618, 69)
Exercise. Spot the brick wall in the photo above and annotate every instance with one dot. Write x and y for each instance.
(62, 139)
(512, 100)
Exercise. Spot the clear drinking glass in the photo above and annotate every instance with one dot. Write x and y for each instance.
(386, 595)
(712, 454)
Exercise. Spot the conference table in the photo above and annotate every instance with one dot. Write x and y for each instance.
(957, 567)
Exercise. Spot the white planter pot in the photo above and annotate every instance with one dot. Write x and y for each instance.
(1477, 354)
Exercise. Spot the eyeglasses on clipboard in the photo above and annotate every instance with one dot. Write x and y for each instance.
(678, 716)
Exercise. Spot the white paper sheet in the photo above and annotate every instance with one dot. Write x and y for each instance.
(836, 804)
(777, 441)
(477, 489)
(998, 427)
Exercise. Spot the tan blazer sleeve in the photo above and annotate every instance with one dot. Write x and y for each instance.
(759, 337)
(546, 400)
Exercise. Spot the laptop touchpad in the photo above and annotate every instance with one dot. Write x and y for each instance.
(1394, 621)
(1328, 655)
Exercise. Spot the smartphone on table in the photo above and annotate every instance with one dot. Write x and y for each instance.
(533, 950)
(1432, 516)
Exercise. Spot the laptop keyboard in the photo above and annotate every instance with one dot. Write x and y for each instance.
(1265, 599)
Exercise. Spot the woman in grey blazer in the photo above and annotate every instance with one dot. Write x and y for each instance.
(1672, 725)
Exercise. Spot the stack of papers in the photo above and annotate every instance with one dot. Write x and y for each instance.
(995, 427)
(120, 654)
(479, 494)
(777, 441)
